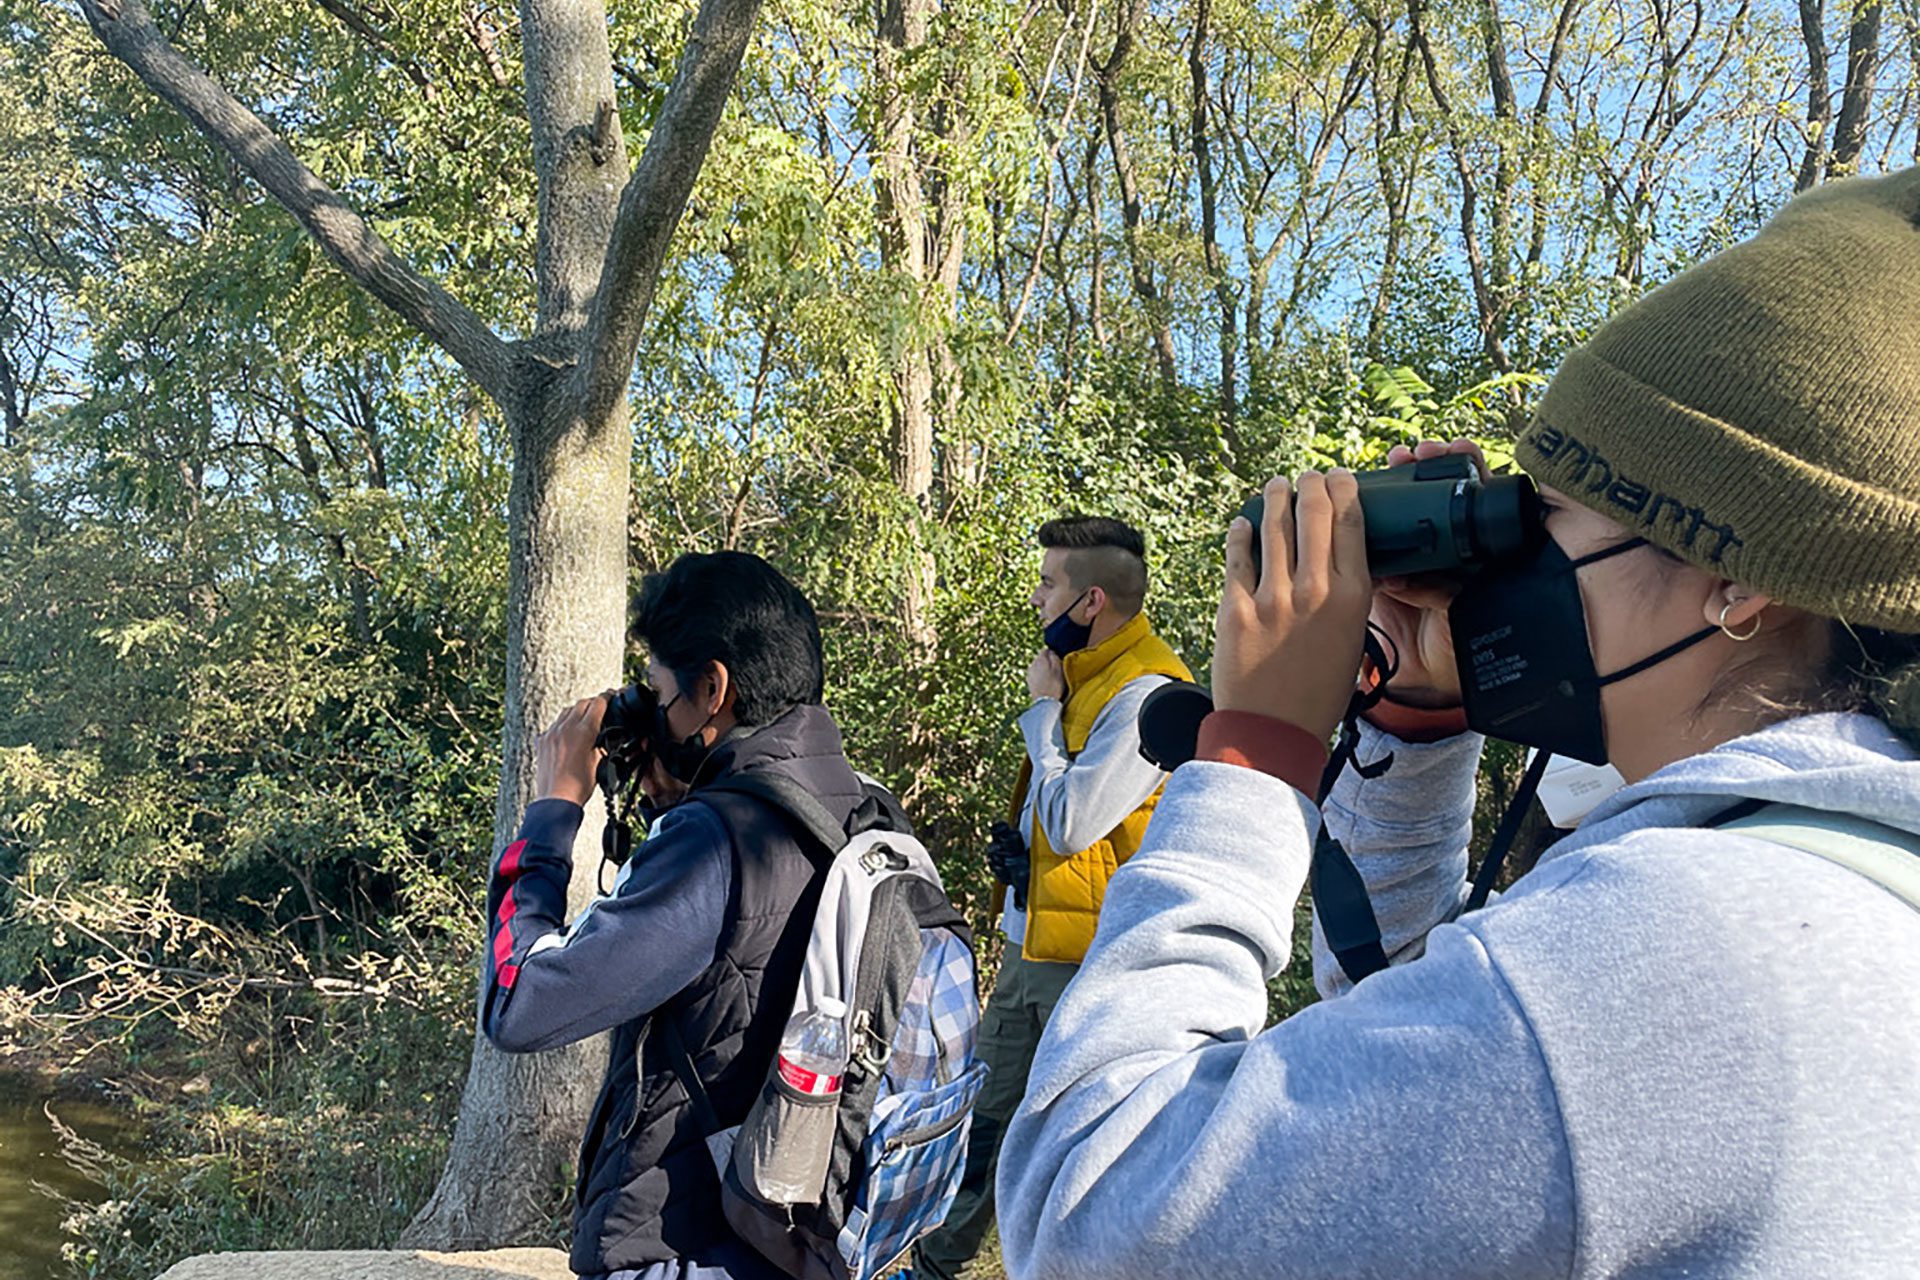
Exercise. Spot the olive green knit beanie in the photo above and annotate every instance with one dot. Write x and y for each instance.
(1759, 414)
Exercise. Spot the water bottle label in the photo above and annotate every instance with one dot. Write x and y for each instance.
(810, 1082)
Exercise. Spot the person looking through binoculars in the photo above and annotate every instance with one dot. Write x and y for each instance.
(1684, 1042)
(696, 943)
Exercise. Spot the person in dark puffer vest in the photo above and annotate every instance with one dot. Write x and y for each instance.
(706, 925)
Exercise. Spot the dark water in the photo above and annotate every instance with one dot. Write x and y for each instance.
(30, 1236)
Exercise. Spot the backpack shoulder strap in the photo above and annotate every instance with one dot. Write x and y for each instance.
(879, 810)
(808, 815)
(1885, 855)
(683, 1069)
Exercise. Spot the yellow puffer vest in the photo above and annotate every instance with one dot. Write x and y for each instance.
(1065, 890)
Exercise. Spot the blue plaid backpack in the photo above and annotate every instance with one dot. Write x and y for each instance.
(888, 1149)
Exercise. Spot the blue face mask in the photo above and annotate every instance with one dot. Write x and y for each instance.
(1063, 635)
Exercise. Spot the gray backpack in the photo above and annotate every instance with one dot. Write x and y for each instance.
(888, 1149)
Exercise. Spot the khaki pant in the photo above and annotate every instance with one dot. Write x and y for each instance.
(1023, 999)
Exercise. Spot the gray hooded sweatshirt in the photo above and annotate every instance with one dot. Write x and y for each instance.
(1667, 1051)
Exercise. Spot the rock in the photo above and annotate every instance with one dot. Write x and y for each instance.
(371, 1264)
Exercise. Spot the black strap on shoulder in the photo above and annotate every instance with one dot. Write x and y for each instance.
(808, 815)
(1346, 914)
(1339, 893)
(682, 1063)
(879, 810)
(1509, 828)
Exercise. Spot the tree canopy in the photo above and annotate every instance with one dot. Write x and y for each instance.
(947, 271)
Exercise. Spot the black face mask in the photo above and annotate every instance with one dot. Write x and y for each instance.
(1526, 676)
(682, 758)
(1526, 669)
(1063, 635)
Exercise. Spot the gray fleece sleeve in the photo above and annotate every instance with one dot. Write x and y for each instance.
(1077, 800)
(1409, 1129)
(1407, 832)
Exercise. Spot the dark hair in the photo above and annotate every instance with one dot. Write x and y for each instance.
(1826, 665)
(1877, 672)
(733, 608)
(1101, 552)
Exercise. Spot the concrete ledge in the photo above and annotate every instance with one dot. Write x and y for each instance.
(370, 1264)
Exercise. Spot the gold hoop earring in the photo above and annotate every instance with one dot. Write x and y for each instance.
(1733, 635)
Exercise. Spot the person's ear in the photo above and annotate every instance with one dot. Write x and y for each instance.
(1736, 610)
(717, 690)
(1096, 601)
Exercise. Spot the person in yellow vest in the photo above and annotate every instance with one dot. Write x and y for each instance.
(1082, 802)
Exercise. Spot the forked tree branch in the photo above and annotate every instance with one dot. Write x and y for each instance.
(654, 197)
(127, 30)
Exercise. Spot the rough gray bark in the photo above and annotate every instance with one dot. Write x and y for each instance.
(601, 242)
(602, 238)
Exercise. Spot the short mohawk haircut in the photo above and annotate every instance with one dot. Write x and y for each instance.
(1101, 552)
(1084, 533)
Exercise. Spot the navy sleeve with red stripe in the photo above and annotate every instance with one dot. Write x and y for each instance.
(548, 982)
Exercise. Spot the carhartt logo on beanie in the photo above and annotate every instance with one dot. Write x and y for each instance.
(1759, 414)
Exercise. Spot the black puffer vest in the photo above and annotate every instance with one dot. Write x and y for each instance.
(647, 1190)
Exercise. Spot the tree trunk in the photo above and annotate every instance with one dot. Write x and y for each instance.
(1856, 95)
(1486, 300)
(1107, 77)
(901, 210)
(1215, 261)
(1396, 192)
(1506, 115)
(602, 238)
(13, 413)
(521, 1116)
(1097, 258)
(1813, 166)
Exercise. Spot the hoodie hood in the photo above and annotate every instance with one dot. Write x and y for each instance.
(1839, 763)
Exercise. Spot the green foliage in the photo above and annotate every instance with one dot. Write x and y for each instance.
(313, 1127)
(253, 615)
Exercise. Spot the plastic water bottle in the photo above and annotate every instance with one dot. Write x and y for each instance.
(813, 1053)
